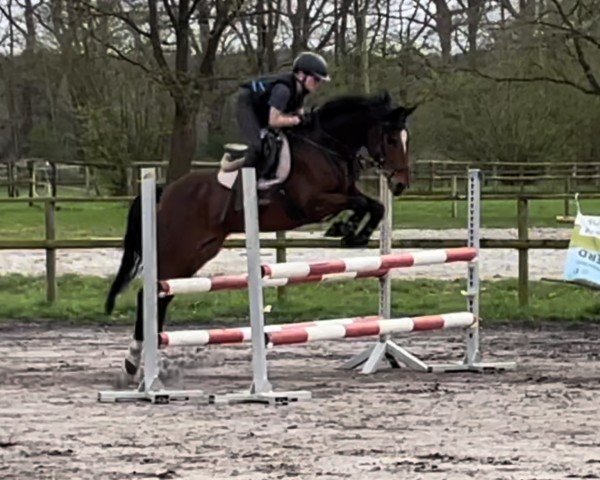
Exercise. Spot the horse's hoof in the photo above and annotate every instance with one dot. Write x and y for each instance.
(170, 376)
(129, 367)
(123, 380)
(338, 229)
(355, 241)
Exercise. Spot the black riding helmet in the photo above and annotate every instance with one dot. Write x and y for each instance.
(311, 64)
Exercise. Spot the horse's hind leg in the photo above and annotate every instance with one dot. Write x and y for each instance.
(131, 364)
(133, 359)
(163, 304)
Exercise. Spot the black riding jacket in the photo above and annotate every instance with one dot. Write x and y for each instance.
(261, 92)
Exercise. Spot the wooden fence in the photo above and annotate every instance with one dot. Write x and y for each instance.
(523, 243)
(428, 175)
(439, 174)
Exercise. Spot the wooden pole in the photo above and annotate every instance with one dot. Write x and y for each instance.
(523, 233)
(51, 285)
(431, 176)
(454, 212)
(567, 200)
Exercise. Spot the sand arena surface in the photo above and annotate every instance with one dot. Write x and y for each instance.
(541, 421)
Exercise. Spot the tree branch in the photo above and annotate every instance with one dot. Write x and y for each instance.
(192, 9)
(585, 65)
(124, 17)
(156, 44)
(13, 22)
(532, 79)
(170, 13)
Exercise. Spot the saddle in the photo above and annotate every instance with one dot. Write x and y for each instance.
(275, 151)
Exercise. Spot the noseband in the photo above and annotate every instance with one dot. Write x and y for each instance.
(378, 159)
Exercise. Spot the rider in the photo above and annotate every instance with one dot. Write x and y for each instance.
(276, 102)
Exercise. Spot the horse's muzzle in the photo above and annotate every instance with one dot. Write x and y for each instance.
(396, 186)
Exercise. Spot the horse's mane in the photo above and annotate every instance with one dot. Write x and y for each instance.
(351, 104)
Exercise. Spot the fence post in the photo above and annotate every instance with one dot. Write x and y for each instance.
(11, 180)
(280, 256)
(53, 180)
(50, 226)
(32, 180)
(431, 175)
(454, 211)
(129, 180)
(88, 179)
(523, 233)
(495, 175)
(567, 201)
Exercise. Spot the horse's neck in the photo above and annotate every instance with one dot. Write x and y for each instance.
(351, 136)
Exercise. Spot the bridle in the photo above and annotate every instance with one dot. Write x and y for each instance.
(378, 159)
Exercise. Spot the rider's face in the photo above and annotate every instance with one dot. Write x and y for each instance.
(313, 83)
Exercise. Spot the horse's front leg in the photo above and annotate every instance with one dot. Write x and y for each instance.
(323, 205)
(375, 211)
(371, 210)
(342, 227)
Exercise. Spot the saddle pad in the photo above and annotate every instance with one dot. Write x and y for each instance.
(284, 166)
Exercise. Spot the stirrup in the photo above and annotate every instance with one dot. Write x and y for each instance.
(235, 149)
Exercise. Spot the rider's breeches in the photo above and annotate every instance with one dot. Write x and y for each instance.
(249, 127)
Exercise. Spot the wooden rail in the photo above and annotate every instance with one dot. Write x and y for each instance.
(522, 243)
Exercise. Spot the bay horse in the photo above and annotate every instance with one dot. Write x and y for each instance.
(195, 213)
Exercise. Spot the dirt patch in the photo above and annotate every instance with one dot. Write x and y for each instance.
(538, 422)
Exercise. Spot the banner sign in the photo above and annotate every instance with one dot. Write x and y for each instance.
(583, 257)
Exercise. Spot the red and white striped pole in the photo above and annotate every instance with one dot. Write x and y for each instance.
(365, 264)
(369, 328)
(289, 333)
(181, 286)
(187, 338)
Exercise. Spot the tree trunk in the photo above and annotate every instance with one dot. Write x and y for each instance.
(474, 12)
(29, 55)
(183, 142)
(299, 26)
(360, 16)
(443, 19)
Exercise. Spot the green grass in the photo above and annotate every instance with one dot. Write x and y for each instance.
(73, 220)
(81, 301)
(84, 220)
(494, 213)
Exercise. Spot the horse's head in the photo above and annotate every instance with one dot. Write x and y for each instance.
(387, 144)
(353, 122)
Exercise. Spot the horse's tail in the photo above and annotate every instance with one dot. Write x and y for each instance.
(131, 260)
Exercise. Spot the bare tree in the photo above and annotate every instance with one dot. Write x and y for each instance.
(360, 18)
(567, 37)
(184, 38)
(21, 38)
(256, 29)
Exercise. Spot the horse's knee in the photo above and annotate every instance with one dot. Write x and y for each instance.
(377, 210)
(358, 204)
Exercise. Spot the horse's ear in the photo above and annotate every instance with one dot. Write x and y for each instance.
(410, 110)
(386, 97)
(395, 116)
(398, 115)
